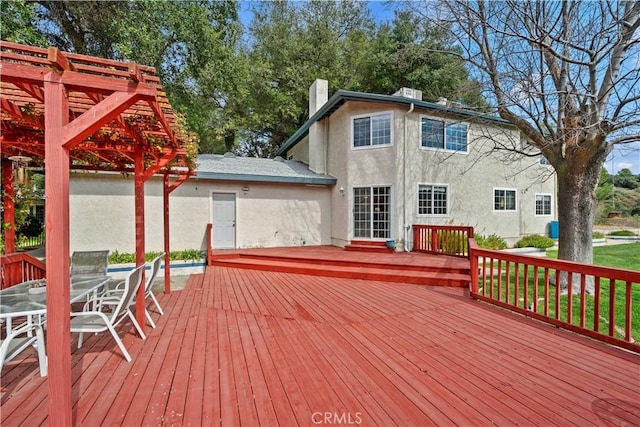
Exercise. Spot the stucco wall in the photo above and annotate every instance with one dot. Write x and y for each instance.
(102, 213)
(471, 177)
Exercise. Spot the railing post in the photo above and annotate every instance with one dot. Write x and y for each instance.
(474, 271)
(209, 251)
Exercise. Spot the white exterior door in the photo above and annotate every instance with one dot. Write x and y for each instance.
(224, 221)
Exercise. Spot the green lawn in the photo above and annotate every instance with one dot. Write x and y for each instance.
(618, 256)
(625, 256)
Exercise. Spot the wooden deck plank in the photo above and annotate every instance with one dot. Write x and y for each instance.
(195, 398)
(249, 347)
(152, 358)
(516, 370)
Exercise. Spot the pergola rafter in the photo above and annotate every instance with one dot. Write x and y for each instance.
(84, 113)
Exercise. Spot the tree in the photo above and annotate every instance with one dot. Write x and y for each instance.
(17, 23)
(626, 179)
(292, 44)
(413, 52)
(192, 45)
(566, 75)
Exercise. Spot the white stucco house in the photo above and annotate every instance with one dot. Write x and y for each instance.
(363, 167)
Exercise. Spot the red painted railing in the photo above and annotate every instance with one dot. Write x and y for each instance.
(442, 239)
(209, 247)
(527, 285)
(19, 267)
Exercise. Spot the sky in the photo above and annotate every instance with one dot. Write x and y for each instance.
(623, 156)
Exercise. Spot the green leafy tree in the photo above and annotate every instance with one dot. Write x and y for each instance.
(192, 45)
(412, 52)
(18, 20)
(626, 179)
(292, 44)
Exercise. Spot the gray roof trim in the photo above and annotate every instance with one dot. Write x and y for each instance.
(342, 96)
(266, 178)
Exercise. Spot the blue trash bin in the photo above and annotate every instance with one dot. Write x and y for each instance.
(554, 229)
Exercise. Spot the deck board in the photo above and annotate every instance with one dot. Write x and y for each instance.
(250, 347)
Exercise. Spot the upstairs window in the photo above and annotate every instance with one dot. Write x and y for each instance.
(372, 130)
(543, 204)
(452, 137)
(504, 200)
(432, 200)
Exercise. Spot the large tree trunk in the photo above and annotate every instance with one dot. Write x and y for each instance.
(576, 213)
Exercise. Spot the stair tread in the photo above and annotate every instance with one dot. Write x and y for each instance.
(443, 266)
(385, 271)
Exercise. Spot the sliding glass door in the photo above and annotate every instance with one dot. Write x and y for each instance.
(372, 212)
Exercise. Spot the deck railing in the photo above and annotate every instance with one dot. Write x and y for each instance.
(442, 239)
(528, 285)
(19, 267)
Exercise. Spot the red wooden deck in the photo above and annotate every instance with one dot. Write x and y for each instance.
(249, 347)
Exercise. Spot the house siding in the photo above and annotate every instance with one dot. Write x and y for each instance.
(102, 213)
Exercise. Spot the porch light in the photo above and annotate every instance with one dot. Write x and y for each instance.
(19, 166)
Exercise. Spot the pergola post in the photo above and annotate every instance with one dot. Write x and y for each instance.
(167, 258)
(9, 216)
(56, 116)
(140, 244)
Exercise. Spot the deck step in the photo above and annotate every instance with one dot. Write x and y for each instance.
(435, 277)
(368, 246)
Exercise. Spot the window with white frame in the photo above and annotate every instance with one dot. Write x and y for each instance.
(432, 199)
(543, 204)
(544, 161)
(372, 130)
(437, 134)
(504, 199)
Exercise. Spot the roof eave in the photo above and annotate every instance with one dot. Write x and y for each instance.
(328, 180)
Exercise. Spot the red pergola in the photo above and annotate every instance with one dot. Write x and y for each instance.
(76, 112)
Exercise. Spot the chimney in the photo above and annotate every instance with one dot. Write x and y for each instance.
(318, 96)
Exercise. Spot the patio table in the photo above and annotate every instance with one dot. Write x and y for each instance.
(17, 301)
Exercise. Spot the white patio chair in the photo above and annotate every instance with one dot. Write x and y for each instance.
(19, 340)
(89, 263)
(94, 320)
(148, 288)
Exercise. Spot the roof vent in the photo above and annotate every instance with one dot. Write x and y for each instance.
(279, 159)
(407, 92)
(229, 155)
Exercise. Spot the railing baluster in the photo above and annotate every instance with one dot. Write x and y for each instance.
(516, 285)
(499, 280)
(570, 297)
(627, 313)
(558, 291)
(546, 292)
(596, 305)
(535, 289)
(612, 307)
(526, 286)
(583, 299)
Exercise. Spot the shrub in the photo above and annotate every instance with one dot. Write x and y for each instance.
(535, 241)
(116, 257)
(598, 235)
(490, 242)
(626, 233)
